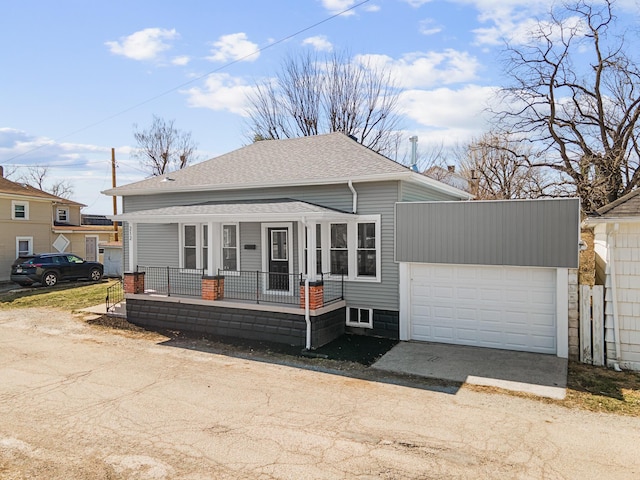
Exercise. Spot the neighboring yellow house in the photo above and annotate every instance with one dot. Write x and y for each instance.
(33, 221)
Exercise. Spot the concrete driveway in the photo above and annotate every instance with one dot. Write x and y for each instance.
(77, 402)
(535, 373)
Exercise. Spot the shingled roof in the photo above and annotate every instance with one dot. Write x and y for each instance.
(320, 159)
(19, 189)
(626, 206)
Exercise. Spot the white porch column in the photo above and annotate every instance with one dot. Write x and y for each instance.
(133, 246)
(215, 247)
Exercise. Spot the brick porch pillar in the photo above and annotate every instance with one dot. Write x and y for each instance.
(316, 295)
(134, 282)
(213, 287)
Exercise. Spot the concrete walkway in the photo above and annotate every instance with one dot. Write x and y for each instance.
(543, 375)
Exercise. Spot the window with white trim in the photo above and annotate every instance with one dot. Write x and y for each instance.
(366, 252)
(318, 250)
(205, 247)
(339, 249)
(189, 247)
(62, 214)
(19, 210)
(24, 246)
(230, 247)
(360, 317)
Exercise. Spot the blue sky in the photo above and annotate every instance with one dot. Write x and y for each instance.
(77, 75)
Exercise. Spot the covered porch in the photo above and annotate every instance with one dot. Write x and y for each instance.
(241, 257)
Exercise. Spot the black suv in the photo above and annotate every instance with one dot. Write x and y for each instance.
(49, 268)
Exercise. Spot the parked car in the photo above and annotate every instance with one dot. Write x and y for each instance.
(49, 268)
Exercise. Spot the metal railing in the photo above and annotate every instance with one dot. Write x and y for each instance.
(333, 287)
(115, 295)
(172, 280)
(262, 287)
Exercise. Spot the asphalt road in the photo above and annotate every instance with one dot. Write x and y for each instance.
(77, 402)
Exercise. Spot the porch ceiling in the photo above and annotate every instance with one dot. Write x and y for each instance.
(244, 211)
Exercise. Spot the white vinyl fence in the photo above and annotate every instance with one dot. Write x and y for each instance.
(592, 324)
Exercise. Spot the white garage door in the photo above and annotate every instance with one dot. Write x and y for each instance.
(511, 308)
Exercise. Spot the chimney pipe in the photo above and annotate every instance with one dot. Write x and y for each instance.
(414, 152)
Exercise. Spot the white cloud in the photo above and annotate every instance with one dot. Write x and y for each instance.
(181, 60)
(428, 26)
(145, 44)
(451, 115)
(416, 3)
(426, 69)
(319, 42)
(220, 92)
(234, 46)
(337, 6)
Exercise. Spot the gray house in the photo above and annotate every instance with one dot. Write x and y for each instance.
(290, 240)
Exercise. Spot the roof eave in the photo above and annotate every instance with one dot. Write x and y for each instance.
(408, 175)
(602, 220)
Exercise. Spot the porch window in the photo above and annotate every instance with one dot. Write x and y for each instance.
(230, 247)
(205, 246)
(318, 250)
(19, 210)
(189, 247)
(366, 249)
(339, 249)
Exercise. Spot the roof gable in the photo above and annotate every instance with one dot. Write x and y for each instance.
(19, 189)
(329, 158)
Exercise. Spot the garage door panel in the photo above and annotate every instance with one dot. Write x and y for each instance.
(498, 307)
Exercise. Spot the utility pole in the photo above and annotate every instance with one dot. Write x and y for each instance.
(113, 184)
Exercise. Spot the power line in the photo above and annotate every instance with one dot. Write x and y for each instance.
(189, 82)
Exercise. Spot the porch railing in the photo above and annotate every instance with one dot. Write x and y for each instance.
(333, 287)
(172, 281)
(115, 295)
(248, 286)
(262, 287)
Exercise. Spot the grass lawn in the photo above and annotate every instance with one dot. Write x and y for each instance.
(67, 296)
(590, 388)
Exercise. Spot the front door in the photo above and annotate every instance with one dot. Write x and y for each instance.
(278, 259)
(91, 248)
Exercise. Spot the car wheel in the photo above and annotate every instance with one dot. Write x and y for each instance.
(49, 279)
(95, 275)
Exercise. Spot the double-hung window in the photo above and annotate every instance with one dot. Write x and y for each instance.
(205, 247)
(230, 247)
(339, 249)
(318, 250)
(24, 246)
(19, 210)
(366, 250)
(189, 248)
(62, 214)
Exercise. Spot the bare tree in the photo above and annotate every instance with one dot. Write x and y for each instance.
(310, 96)
(583, 119)
(36, 177)
(163, 148)
(498, 168)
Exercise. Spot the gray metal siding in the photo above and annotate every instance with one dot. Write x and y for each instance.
(373, 199)
(250, 260)
(411, 192)
(537, 233)
(158, 245)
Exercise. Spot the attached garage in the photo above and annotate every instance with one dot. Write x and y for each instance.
(511, 308)
(487, 273)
